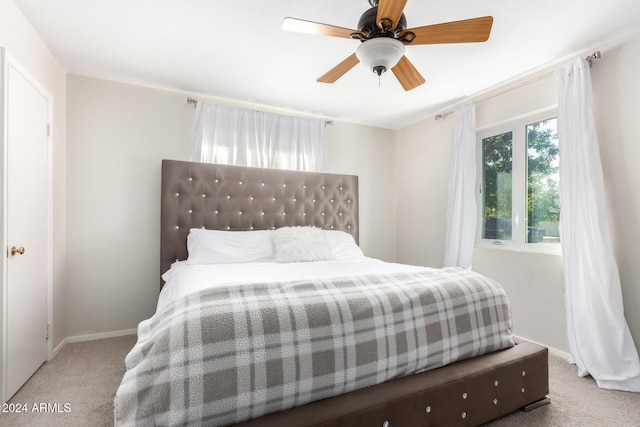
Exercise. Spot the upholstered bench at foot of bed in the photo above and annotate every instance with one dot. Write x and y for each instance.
(466, 393)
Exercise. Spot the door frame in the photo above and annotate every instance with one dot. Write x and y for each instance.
(6, 61)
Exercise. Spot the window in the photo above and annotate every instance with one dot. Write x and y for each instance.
(518, 175)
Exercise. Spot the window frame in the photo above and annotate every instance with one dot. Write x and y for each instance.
(517, 126)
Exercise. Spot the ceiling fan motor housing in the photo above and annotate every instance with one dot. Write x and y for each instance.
(368, 25)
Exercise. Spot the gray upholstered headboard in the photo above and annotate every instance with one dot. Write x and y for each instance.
(223, 197)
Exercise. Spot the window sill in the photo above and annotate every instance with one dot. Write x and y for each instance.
(531, 248)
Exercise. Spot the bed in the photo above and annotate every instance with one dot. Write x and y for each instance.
(202, 373)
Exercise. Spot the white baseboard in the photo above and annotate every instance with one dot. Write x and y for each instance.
(554, 351)
(58, 348)
(559, 353)
(101, 335)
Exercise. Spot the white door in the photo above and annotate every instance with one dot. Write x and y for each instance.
(26, 210)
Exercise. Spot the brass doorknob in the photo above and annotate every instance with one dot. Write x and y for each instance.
(15, 250)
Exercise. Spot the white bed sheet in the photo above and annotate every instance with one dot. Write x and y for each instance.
(182, 278)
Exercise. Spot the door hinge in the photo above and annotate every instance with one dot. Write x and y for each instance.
(48, 130)
(48, 330)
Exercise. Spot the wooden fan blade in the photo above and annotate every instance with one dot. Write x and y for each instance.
(310, 27)
(466, 31)
(339, 70)
(391, 10)
(407, 74)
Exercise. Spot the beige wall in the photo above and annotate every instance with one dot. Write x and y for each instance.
(422, 165)
(616, 88)
(533, 281)
(26, 46)
(369, 153)
(117, 136)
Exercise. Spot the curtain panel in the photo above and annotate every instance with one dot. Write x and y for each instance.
(462, 206)
(242, 137)
(599, 338)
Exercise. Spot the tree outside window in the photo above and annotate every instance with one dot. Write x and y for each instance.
(543, 196)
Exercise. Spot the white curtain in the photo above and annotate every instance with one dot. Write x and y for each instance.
(599, 338)
(242, 137)
(461, 209)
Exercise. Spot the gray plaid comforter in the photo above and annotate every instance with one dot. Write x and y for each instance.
(232, 353)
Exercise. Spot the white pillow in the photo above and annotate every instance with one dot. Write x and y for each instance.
(299, 244)
(225, 247)
(343, 245)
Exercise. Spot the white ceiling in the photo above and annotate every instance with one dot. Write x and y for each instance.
(236, 49)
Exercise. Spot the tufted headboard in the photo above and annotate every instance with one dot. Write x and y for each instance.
(223, 197)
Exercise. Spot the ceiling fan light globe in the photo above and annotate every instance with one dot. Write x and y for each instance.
(380, 52)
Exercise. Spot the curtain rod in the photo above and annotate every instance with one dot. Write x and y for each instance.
(590, 59)
(194, 102)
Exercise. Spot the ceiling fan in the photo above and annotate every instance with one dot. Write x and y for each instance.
(384, 34)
